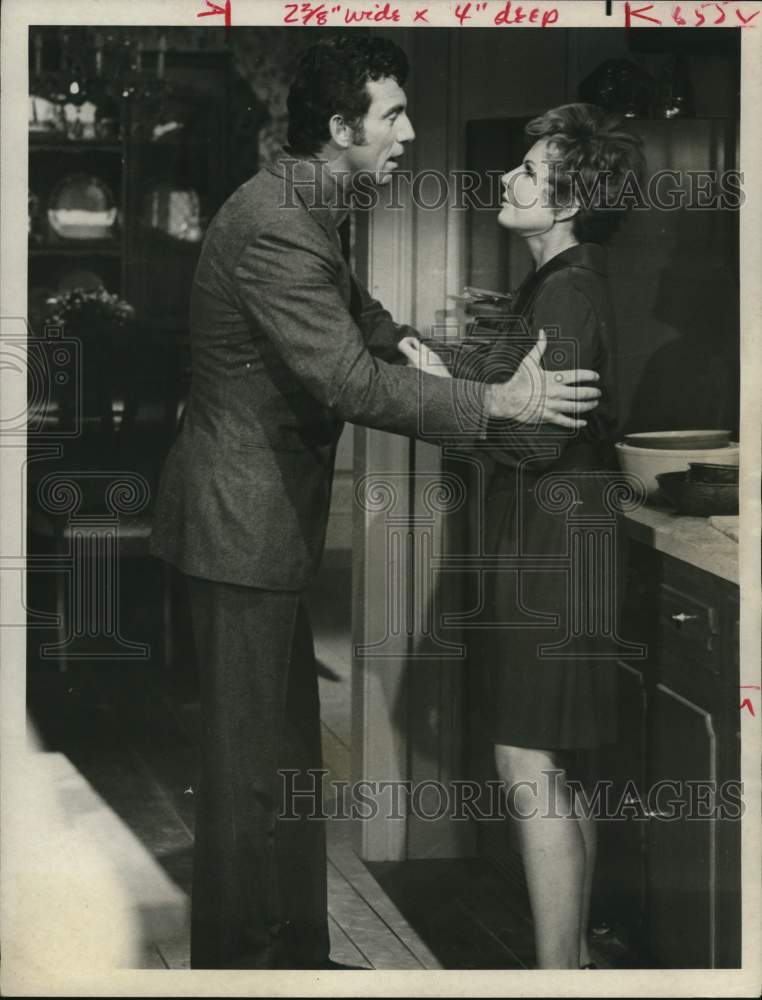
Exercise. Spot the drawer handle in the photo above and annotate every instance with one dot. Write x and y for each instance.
(682, 617)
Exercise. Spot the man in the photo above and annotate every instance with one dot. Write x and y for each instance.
(287, 345)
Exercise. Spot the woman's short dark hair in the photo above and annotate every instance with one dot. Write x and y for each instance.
(595, 163)
(330, 80)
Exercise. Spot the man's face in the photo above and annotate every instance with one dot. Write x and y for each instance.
(380, 139)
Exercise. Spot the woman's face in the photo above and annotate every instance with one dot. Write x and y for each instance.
(526, 195)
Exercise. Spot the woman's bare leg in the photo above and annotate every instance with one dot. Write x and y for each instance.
(552, 848)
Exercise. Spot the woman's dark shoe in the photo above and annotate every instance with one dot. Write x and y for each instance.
(589, 965)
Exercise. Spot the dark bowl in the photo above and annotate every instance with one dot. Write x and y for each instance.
(707, 472)
(698, 499)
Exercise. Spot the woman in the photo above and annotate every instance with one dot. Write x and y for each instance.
(550, 644)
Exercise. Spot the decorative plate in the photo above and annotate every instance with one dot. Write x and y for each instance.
(82, 208)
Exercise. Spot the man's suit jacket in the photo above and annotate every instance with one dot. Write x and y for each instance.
(286, 345)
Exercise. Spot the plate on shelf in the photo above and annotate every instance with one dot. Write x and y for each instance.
(82, 207)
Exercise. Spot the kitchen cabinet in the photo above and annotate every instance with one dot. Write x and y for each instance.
(669, 869)
(620, 879)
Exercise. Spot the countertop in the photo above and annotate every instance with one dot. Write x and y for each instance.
(691, 539)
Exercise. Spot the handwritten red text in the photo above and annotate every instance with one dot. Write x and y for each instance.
(710, 14)
(216, 9)
(747, 702)
(474, 13)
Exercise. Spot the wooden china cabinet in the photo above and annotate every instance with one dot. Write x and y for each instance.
(170, 134)
(158, 148)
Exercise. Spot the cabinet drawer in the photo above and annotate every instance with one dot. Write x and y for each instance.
(689, 630)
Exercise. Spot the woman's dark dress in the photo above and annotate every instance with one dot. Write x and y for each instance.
(551, 682)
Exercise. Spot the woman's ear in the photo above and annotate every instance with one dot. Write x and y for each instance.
(567, 212)
(341, 133)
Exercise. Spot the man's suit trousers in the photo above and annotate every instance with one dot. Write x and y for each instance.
(259, 882)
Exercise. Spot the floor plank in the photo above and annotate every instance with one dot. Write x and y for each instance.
(357, 873)
(343, 949)
(436, 898)
(366, 929)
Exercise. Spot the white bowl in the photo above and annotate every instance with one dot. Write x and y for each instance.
(678, 440)
(647, 463)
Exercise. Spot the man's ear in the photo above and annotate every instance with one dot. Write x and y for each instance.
(341, 133)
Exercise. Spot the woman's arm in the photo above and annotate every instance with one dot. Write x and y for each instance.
(577, 338)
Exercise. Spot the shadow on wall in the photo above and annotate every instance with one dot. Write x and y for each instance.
(693, 379)
(676, 300)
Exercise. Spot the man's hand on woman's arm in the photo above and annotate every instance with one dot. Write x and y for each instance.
(532, 395)
(535, 396)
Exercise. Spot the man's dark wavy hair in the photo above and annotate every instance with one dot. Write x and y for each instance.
(593, 158)
(330, 80)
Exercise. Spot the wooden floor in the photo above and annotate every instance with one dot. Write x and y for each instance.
(415, 915)
(129, 731)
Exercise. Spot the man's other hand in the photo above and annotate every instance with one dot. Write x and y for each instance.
(423, 358)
